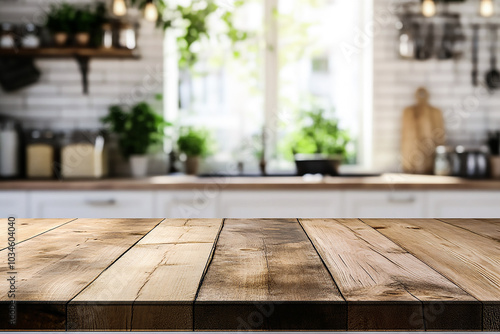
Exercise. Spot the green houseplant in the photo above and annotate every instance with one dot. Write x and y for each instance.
(137, 130)
(319, 145)
(193, 143)
(59, 22)
(88, 22)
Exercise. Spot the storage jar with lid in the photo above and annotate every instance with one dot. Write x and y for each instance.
(41, 154)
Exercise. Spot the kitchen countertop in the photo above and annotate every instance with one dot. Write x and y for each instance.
(260, 274)
(383, 182)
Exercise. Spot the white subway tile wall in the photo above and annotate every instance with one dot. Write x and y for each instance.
(57, 101)
(469, 111)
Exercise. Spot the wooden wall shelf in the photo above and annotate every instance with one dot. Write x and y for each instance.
(82, 56)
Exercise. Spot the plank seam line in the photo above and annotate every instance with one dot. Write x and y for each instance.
(39, 234)
(207, 265)
(322, 261)
(466, 229)
(112, 263)
(424, 262)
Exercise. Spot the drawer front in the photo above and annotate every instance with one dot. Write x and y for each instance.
(385, 204)
(14, 204)
(464, 204)
(280, 204)
(92, 204)
(186, 204)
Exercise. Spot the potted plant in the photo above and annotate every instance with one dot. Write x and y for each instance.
(319, 145)
(59, 22)
(193, 144)
(84, 22)
(137, 130)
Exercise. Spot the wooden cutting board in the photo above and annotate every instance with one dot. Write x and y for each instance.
(423, 130)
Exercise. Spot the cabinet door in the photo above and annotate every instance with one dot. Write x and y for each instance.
(92, 204)
(186, 204)
(464, 204)
(385, 204)
(280, 204)
(14, 204)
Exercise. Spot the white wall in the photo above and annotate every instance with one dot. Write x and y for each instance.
(56, 101)
(468, 113)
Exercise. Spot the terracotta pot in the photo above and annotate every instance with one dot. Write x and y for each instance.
(139, 165)
(60, 38)
(192, 165)
(82, 38)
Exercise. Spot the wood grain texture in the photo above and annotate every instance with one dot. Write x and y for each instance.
(29, 228)
(153, 285)
(266, 275)
(386, 287)
(55, 266)
(486, 228)
(469, 260)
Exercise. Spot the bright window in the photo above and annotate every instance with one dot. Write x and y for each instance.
(298, 51)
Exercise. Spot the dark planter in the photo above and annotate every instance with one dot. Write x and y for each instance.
(317, 164)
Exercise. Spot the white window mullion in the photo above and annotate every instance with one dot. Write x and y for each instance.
(271, 74)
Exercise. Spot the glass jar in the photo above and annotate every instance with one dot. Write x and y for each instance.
(442, 162)
(83, 155)
(7, 40)
(40, 154)
(107, 36)
(127, 38)
(30, 39)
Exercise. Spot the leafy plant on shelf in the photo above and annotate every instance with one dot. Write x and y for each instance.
(60, 18)
(88, 19)
(194, 142)
(137, 129)
(190, 19)
(318, 133)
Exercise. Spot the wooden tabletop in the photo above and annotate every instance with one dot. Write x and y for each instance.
(382, 182)
(259, 274)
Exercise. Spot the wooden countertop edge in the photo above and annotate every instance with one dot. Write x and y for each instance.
(385, 182)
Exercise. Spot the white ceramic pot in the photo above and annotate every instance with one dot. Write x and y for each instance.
(139, 165)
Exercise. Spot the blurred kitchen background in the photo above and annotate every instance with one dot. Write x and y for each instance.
(105, 107)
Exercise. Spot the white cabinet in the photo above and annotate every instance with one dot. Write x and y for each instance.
(186, 204)
(464, 204)
(91, 204)
(280, 204)
(384, 204)
(13, 204)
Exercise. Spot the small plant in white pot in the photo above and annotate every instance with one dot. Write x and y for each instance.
(193, 144)
(138, 130)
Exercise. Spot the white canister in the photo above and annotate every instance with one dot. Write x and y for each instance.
(9, 150)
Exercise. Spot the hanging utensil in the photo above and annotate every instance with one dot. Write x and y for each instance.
(475, 54)
(446, 49)
(493, 76)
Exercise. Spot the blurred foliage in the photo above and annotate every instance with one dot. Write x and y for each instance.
(317, 132)
(137, 129)
(194, 142)
(190, 18)
(64, 17)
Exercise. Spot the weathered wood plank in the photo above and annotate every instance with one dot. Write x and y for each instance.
(29, 228)
(54, 267)
(469, 260)
(387, 288)
(153, 285)
(486, 228)
(265, 274)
